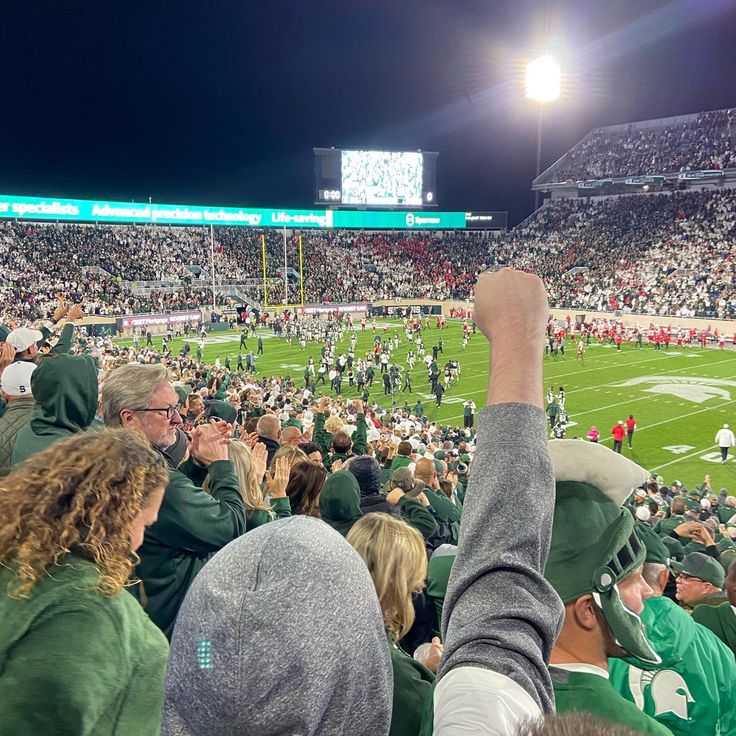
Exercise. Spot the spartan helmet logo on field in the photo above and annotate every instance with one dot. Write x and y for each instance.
(689, 388)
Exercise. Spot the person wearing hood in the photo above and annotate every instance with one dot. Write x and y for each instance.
(65, 390)
(339, 501)
(367, 472)
(250, 658)
(595, 564)
(694, 690)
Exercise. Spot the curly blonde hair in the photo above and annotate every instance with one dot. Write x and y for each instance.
(80, 495)
(397, 561)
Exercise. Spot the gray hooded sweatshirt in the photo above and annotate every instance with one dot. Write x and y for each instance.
(280, 633)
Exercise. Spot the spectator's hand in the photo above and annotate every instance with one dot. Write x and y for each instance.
(701, 535)
(209, 444)
(422, 498)
(394, 496)
(251, 439)
(432, 662)
(322, 404)
(59, 312)
(76, 312)
(260, 460)
(7, 355)
(511, 306)
(359, 406)
(336, 465)
(277, 485)
(685, 530)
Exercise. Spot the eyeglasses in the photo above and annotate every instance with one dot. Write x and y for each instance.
(171, 411)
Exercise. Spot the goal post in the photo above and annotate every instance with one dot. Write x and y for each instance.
(264, 267)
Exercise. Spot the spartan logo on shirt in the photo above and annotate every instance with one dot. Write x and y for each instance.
(667, 690)
(690, 388)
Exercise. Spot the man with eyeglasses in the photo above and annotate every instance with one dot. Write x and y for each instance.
(192, 525)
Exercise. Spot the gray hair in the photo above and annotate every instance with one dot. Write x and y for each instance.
(651, 573)
(130, 387)
(268, 426)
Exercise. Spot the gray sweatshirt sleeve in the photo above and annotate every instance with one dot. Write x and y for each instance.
(500, 613)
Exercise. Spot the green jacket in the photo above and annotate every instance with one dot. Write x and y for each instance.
(694, 691)
(65, 389)
(591, 693)
(668, 525)
(446, 510)
(324, 439)
(412, 686)
(17, 415)
(73, 661)
(64, 343)
(280, 509)
(438, 575)
(721, 620)
(192, 525)
(412, 512)
(400, 461)
(339, 501)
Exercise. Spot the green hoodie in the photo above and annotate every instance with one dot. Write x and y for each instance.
(75, 661)
(400, 461)
(339, 501)
(65, 389)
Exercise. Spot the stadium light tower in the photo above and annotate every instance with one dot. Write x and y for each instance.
(543, 82)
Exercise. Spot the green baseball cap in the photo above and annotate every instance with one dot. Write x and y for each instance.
(656, 551)
(675, 549)
(701, 566)
(182, 392)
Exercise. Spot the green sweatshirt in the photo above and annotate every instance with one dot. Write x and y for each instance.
(590, 693)
(192, 525)
(73, 661)
(280, 509)
(721, 620)
(446, 510)
(339, 501)
(412, 512)
(324, 439)
(412, 686)
(65, 389)
(694, 690)
(438, 575)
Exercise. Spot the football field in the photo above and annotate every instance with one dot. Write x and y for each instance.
(679, 398)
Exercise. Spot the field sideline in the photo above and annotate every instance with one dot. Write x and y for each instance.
(680, 398)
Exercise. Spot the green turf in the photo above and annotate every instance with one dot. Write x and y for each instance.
(680, 398)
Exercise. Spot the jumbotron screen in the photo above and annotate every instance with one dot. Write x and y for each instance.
(375, 178)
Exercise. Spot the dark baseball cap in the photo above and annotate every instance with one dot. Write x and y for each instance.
(701, 566)
(404, 479)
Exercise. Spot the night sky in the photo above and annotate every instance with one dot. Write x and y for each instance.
(221, 102)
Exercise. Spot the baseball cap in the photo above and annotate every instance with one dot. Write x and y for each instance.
(16, 378)
(403, 478)
(701, 566)
(22, 338)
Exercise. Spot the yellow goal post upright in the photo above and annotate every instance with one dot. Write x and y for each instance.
(264, 266)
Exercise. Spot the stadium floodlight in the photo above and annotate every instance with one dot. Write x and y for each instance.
(543, 79)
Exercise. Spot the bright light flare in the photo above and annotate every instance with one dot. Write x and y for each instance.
(543, 79)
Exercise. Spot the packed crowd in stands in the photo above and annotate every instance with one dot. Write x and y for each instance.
(208, 551)
(706, 143)
(648, 254)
